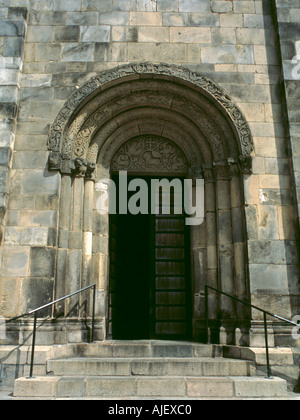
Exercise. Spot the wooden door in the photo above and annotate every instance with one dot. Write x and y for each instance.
(170, 292)
(149, 277)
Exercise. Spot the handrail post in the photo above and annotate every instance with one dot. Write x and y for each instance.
(267, 346)
(93, 313)
(269, 373)
(34, 312)
(206, 316)
(33, 345)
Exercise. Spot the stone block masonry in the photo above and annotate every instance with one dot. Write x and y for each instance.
(12, 37)
(49, 49)
(288, 26)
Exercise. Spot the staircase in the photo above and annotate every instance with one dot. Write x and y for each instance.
(149, 370)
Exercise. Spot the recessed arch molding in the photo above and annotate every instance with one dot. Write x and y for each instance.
(127, 96)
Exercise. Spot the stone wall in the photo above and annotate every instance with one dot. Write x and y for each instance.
(12, 33)
(67, 42)
(288, 28)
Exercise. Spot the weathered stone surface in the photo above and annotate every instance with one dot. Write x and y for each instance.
(12, 28)
(228, 54)
(67, 387)
(67, 33)
(40, 182)
(194, 6)
(39, 388)
(13, 47)
(95, 33)
(37, 292)
(221, 6)
(272, 278)
(255, 388)
(272, 252)
(25, 236)
(15, 261)
(205, 387)
(146, 5)
(42, 262)
(28, 160)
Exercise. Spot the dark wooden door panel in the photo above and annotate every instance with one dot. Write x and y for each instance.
(170, 294)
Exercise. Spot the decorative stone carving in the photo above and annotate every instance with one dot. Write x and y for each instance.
(245, 163)
(54, 161)
(221, 170)
(78, 167)
(196, 173)
(150, 154)
(199, 81)
(90, 170)
(67, 165)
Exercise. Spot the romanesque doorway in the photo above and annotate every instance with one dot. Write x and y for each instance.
(154, 120)
(149, 295)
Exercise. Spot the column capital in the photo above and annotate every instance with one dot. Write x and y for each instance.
(77, 167)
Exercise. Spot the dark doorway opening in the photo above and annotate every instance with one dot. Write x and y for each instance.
(149, 275)
(130, 283)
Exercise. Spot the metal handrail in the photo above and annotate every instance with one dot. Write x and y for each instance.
(252, 306)
(34, 312)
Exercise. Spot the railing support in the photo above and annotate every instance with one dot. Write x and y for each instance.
(267, 346)
(206, 316)
(93, 313)
(33, 345)
(265, 313)
(35, 312)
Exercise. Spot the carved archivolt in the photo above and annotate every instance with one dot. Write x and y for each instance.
(182, 132)
(150, 154)
(69, 146)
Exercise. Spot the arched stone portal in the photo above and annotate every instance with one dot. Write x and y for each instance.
(197, 117)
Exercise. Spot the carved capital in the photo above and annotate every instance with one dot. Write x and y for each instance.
(221, 170)
(54, 161)
(234, 168)
(196, 173)
(245, 163)
(67, 165)
(90, 170)
(78, 167)
(208, 172)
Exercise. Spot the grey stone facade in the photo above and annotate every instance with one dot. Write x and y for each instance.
(58, 56)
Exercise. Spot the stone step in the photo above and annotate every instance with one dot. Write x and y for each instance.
(151, 367)
(145, 348)
(152, 387)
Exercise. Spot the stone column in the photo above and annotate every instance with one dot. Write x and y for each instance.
(239, 232)
(240, 279)
(73, 280)
(87, 241)
(225, 245)
(63, 240)
(211, 235)
(87, 231)
(198, 263)
(212, 250)
(100, 255)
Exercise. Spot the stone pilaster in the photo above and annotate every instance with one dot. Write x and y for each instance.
(288, 23)
(12, 32)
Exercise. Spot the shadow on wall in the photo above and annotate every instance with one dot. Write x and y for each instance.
(282, 164)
